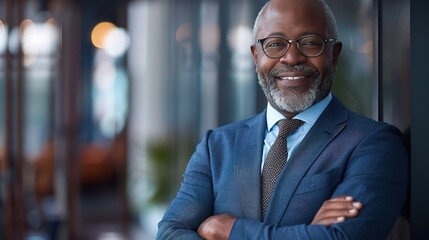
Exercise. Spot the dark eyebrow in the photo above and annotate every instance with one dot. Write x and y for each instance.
(281, 34)
(276, 34)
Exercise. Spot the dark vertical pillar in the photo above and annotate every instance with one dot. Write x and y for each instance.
(420, 120)
(67, 117)
(226, 86)
(14, 107)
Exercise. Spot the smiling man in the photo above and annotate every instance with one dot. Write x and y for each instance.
(306, 167)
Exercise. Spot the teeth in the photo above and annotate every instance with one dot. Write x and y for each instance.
(292, 78)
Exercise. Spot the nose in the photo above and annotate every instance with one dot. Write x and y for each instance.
(293, 56)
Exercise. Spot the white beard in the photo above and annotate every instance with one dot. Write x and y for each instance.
(291, 101)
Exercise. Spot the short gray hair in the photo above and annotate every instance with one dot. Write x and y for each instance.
(330, 18)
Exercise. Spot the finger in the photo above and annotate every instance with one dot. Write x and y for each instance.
(341, 199)
(331, 217)
(357, 205)
(338, 204)
(329, 221)
(337, 213)
(338, 210)
(344, 199)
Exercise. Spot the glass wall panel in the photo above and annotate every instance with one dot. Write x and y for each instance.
(40, 44)
(395, 66)
(238, 91)
(29, 44)
(356, 83)
(396, 83)
(65, 127)
(100, 107)
(150, 135)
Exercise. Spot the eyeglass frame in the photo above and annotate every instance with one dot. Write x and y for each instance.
(325, 40)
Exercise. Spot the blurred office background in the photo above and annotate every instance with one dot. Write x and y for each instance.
(103, 101)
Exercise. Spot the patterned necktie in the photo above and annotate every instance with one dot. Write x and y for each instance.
(276, 160)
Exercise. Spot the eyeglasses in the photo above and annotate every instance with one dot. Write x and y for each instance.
(308, 45)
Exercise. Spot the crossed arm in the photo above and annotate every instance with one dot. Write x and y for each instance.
(332, 211)
(376, 175)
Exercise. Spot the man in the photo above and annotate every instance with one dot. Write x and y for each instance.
(346, 175)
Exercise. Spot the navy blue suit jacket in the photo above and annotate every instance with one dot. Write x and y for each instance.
(343, 154)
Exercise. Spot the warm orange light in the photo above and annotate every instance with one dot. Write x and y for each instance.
(210, 37)
(3, 39)
(184, 32)
(51, 21)
(25, 23)
(99, 32)
(2, 30)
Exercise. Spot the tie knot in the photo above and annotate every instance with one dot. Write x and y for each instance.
(288, 126)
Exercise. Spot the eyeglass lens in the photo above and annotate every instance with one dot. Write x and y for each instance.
(309, 46)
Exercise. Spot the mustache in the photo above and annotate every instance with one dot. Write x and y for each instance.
(289, 68)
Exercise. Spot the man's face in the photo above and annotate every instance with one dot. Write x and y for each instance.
(295, 82)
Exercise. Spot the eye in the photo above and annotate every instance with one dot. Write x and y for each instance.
(274, 43)
(311, 42)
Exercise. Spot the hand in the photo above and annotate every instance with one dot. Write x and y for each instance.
(337, 210)
(217, 227)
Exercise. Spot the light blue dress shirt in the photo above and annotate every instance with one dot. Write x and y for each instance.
(309, 116)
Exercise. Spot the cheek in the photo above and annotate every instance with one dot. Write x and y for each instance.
(264, 65)
(321, 64)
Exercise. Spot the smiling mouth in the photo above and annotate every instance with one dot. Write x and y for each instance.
(292, 78)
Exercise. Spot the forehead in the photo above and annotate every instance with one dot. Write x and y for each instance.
(293, 19)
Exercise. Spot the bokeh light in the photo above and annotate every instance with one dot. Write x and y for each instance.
(184, 33)
(116, 42)
(240, 38)
(3, 37)
(108, 36)
(109, 95)
(39, 38)
(210, 37)
(99, 32)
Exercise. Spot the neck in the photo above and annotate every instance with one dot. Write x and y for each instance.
(286, 114)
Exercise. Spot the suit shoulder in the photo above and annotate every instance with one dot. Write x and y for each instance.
(233, 126)
(359, 124)
(366, 125)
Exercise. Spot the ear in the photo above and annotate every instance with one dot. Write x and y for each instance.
(336, 53)
(254, 54)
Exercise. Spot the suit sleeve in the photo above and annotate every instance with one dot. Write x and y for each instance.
(376, 175)
(194, 201)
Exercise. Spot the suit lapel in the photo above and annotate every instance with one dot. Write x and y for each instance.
(247, 154)
(326, 128)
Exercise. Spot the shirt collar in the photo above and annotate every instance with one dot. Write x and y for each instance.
(310, 115)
